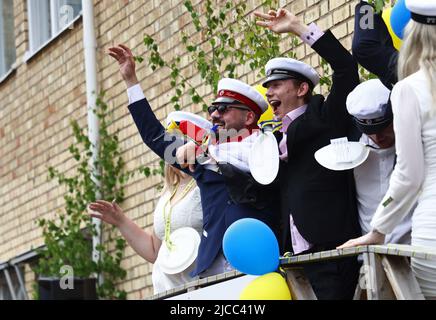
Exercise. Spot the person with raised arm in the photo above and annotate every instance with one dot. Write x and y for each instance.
(318, 205)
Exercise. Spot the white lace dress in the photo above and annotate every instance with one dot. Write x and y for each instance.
(185, 213)
(414, 176)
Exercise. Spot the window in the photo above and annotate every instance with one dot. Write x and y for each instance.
(5, 294)
(7, 37)
(10, 288)
(47, 18)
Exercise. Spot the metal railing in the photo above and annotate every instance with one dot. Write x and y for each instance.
(385, 273)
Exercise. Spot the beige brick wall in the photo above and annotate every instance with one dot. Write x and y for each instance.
(39, 99)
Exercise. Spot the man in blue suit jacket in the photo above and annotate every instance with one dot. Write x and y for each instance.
(234, 109)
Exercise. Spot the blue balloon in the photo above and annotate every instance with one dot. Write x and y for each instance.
(400, 17)
(251, 247)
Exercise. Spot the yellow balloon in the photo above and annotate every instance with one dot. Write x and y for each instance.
(270, 286)
(268, 114)
(386, 15)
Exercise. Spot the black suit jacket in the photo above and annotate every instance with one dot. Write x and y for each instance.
(322, 202)
(373, 47)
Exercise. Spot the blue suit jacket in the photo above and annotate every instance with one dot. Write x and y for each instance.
(219, 211)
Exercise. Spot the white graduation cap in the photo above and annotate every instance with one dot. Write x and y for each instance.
(368, 100)
(287, 68)
(263, 159)
(178, 116)
(185, 242)
(369, 104)
(422, 11)
(342, 154)
(232, 91)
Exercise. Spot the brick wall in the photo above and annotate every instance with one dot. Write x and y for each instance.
(38, 100)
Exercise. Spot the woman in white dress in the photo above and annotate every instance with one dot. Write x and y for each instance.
(414, 177)
(179, 206)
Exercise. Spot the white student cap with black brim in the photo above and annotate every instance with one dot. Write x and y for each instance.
(287, 68)
(369, 105)
(422, 11)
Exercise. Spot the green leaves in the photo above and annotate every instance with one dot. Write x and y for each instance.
(325, 79)
(147, 171)
(148, 41)
(191, 48)
(229, 40)
(196, 99)
(161, 170)
(138, 59)
(378, 4)
(365, 74)
(67, 238)
(155, 60)
(188, 5)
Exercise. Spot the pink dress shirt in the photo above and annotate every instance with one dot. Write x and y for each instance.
(299, 244)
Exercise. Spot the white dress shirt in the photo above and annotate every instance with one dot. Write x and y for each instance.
(135, 93)
(372, 182)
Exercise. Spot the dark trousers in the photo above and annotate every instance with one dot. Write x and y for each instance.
(334, 279)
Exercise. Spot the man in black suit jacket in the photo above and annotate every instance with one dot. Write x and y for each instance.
(318, 205)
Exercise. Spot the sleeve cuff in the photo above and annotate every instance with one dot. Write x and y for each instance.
(312, 35)
(379, 228)
(135, 93)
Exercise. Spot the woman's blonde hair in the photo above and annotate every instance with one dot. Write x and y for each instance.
(172, 177)
(419, 52)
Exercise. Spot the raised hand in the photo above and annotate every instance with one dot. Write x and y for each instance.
(144, 243)
(109, 212)
(124, 56)
(281, 21)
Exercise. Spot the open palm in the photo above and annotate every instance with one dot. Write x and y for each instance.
(279, 22)
(125, 59)
(106, 211)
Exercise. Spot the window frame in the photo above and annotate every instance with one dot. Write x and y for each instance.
(32, 50)
(8, 69)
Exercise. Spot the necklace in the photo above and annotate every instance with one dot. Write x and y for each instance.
(167, 216)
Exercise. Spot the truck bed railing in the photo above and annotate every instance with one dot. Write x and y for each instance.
(385, 273)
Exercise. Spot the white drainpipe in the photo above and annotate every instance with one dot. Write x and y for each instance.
(90, 50)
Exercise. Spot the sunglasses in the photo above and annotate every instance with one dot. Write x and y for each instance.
(223, 108)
